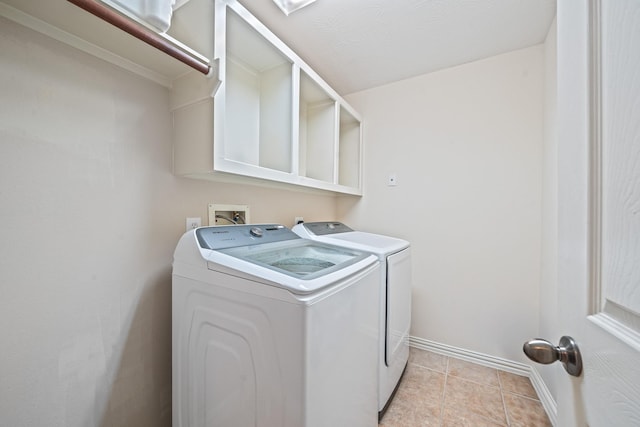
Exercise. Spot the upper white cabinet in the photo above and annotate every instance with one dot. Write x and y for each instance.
(261, 115)
(272, 117)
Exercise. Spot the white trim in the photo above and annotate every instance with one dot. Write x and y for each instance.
(618, 329)
(471, 356)
(547, 400)
(595, 160)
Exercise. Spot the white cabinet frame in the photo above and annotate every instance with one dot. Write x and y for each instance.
(256, 68)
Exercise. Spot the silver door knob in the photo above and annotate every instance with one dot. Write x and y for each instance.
(542, 351)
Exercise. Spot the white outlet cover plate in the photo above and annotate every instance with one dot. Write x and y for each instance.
(192, 223)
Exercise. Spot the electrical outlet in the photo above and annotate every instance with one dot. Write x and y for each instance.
(192, 223)
(298, 220)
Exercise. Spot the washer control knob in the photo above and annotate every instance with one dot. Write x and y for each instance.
(256, 231)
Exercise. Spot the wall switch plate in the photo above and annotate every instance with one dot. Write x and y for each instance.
(192, 223)
(228, 214)
(392, 180)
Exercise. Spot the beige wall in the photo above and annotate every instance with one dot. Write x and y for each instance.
(90, 213)
(466, 145)
(89, 216)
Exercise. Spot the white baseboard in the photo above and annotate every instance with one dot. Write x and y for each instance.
(547, 400)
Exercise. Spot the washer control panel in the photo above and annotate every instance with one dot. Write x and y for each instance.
(231, 236)
(323, 228)
(256, 231)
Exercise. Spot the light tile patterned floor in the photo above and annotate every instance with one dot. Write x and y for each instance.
(442, 391)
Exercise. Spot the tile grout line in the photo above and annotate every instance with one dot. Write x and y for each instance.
(504, 403)
(502, 376)
(474, 381)
(444, 392)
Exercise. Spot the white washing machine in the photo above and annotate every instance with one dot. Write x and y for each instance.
(395, 296)
(271, 330)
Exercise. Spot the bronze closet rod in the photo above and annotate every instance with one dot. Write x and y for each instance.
(141, 32)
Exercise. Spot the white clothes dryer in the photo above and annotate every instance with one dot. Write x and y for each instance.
(395, 296)
(272, 330)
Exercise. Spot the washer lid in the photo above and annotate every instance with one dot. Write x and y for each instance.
(302, 259)
(273, 255)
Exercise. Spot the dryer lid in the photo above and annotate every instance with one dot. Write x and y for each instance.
(336, 233)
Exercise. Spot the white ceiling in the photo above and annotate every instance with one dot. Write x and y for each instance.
(359, 44)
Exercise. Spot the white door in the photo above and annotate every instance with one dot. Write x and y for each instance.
(599, 209)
